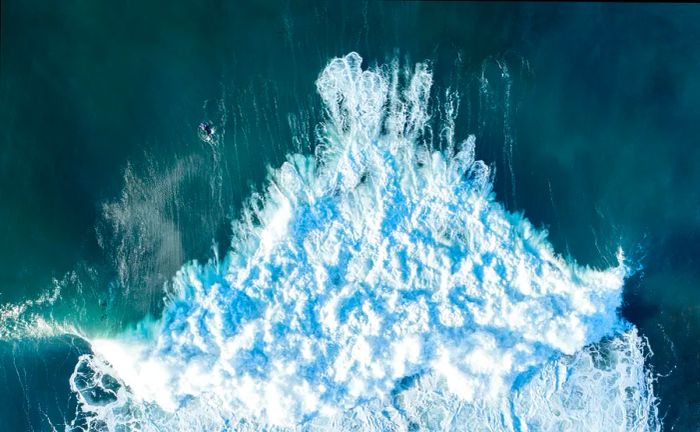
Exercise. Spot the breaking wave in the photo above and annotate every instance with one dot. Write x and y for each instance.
(378, 285)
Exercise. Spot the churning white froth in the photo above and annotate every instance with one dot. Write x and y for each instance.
(378, 285)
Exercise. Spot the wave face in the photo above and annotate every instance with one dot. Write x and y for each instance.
(378, 285)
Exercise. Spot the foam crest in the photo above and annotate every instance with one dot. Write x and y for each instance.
(26, 319)
(376, 260)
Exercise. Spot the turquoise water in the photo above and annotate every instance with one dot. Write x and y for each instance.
(589, 120)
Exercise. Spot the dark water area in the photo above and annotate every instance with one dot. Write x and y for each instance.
(34, 375)
(590, 119)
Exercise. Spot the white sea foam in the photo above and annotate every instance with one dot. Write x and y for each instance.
(27, 319)
(376, 260)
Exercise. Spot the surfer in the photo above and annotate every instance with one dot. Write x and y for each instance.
(206, 131)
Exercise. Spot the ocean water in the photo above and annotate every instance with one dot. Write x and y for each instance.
(407, 216)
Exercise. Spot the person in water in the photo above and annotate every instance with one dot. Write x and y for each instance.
(206, 131)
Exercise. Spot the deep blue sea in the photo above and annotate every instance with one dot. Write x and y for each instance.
(349, 215)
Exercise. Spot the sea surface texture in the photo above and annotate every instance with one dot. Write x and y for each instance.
(349, 216)
(375, 261)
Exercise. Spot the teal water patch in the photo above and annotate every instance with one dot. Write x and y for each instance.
(34, 374)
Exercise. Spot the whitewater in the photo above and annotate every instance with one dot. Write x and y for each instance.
(378, 285)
